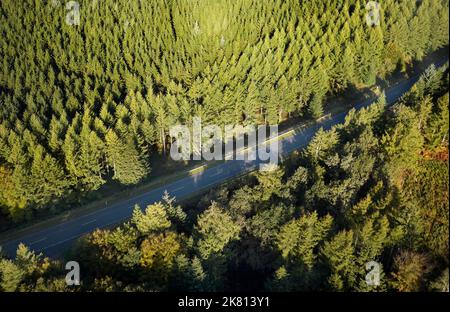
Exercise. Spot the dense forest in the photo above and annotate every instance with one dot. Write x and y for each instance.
(374, 188)
(81, 105)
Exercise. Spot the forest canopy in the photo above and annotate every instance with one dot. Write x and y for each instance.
(83, 104)
(373, 189)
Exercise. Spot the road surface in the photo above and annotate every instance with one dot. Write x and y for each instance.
(54, 240)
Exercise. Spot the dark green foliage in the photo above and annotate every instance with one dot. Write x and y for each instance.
(81, 105)
(97, 98)
(357, 198)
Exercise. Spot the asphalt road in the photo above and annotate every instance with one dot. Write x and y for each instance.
(54, 240)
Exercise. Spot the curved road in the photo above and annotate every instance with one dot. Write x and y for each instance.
(56, 239)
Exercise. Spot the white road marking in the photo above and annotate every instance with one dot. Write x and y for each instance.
(219, 172)
(178, 189)
(76, 236)
(40, 240)
(63, 241)
(94, 212)
(89, 222)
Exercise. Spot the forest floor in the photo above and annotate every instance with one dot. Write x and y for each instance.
(165, 170)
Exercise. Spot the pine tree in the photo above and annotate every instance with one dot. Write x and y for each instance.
(124, 159)
(47, 178)
(316, 106)
(154, 219)
(214, 229)
(339, 256)
(299, 238)
(11, 275)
